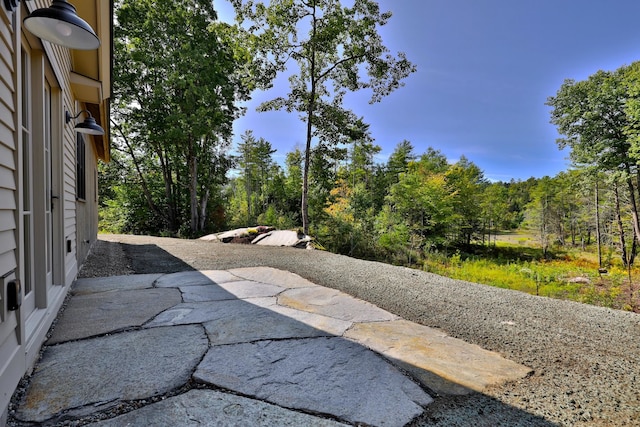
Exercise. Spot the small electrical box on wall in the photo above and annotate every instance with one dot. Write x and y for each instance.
(10, 293)
(14, 295)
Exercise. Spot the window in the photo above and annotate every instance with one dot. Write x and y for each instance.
(27, 170)
(81, 176)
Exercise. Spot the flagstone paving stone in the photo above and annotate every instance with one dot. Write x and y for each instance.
(229, 290)
(105, 312)
(333, 303)
(221, 276)
(273, 276)
(252, 289)
(80, 377)
(194, 278)
(205, 293)
(190, 313)
(209, 408)
(106, 284)
(327, 324)
(237, 321)
(426, 350)
(321, 375)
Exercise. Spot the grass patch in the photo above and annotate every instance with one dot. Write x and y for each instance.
(562, 274)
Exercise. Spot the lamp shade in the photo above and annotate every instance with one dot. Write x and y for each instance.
(60, 24)
(89, 126)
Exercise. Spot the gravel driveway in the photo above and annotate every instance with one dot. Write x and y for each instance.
(586, 359)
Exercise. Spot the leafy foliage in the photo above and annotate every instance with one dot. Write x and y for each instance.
(177, 77)
(335, 49)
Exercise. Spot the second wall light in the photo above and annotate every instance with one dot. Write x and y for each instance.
(89, 126)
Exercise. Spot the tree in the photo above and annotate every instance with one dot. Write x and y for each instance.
(539, 211)
(177, 76)
(399, 160)
(631, 81)
(518, 197)
(255, 166)
(336, 49)
(350, 207)
(467, 183)
(293, 181)
(495, 209)
(597, 120)
(423, 201)
(575, 195)
(361, 154)
(385, 175)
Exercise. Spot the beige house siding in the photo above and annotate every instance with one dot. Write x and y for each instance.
(87, 210)
(45, 231)
(12, 365)
(8, 185)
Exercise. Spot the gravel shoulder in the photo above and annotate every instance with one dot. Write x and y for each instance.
(586, 359)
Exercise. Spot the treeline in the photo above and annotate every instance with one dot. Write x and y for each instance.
(399, 211)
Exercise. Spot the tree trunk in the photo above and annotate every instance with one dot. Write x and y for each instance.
(167, 176)
(623, 245)
(597, 201)
(203, 209)
(544, 238)
(307, 152)
(247, 188)
(193, 189)
(634, 208)
(143, 181)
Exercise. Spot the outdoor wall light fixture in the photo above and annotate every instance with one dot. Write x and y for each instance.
(89, 126)
(59, 24)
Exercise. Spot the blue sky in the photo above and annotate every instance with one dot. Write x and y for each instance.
(485, 70)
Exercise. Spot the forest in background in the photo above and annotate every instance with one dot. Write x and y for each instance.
(179, 75)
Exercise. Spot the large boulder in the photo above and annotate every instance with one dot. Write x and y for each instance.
(283, 238)
(263, 235)
(239, 235)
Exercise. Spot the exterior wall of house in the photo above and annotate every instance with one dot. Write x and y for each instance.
(48, 192)
(87, 210)
(12, 365)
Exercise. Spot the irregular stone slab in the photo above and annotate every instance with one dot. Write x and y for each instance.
(244, 234)
(113, 283)
(235, 321)
(212, 408)
(321, 375)
(238, 232)
(273, 276)
(193, 278)
(329, 325)
(240, 322)
(220, 276)
(282, 238)
(251, 289)
(96, 314)
(443, 363)
(188, 313)
(230, 290)
(333, 303)
(81, 377)
(266, 302)
(203, 293)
